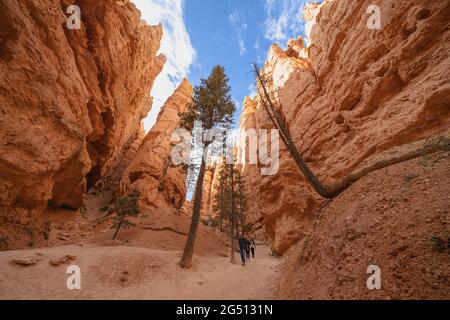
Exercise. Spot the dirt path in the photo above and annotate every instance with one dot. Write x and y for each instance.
(127, 272)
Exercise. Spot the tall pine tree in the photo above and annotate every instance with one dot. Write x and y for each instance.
(213, 106)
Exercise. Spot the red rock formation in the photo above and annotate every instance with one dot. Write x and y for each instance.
(123, 161)
(353, 93)
(71, 102)
(388, 219)
(209, 189)
(281, 205)
(152, 171)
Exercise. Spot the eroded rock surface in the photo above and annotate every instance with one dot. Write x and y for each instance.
(71, 104)
(152, 171)
(353, 93)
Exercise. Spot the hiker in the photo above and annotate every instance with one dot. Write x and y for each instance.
(247, 249)
(242, 247)
(252, 247)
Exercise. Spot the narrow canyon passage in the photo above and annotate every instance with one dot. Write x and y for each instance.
(127, 272)
(100, 161)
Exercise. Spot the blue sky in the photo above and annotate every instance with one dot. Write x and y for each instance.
(199, 34)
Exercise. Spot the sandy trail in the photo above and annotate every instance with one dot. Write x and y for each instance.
(128, 272)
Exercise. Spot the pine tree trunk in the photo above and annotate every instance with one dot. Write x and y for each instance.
(233, 216)
(118, 227)
(241, 213)
(237, 224)
(310, 176)
(237, 227)
(221, 210)
(186, 259)
(241, 204)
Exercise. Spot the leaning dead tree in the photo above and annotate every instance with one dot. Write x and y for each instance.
(331, 191)
(277, 120)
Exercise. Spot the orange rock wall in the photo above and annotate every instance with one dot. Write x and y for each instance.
(71, 102)
(353, 93)
(152, 170)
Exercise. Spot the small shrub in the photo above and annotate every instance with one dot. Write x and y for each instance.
(440, 244)
(392, 202)
(31, 233)
(124, 207)
(83, 210)
(46, 230)
(3, 243)
(410, 177)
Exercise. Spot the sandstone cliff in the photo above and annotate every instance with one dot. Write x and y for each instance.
(352, 94)
(152, 170)
(71, 104)
(209, 189)
(387, 219)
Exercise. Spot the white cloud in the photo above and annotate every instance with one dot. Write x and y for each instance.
(284, 19)
(233, 18)
(175, 45)
(239, 29)
(257, 44)
(252, 90)
(236, 103)
(242, 48)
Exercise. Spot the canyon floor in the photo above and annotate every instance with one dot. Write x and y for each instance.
(136, 269)
(141, 264)
(126, 272)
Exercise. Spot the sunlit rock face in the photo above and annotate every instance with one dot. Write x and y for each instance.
(210, 189)
(72, 102)
(353, 93)
(152, 171)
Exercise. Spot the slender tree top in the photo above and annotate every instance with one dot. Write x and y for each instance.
(212, 103)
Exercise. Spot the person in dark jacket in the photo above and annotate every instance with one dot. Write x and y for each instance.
(242, 249)
(252, 247)
(247, 249)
